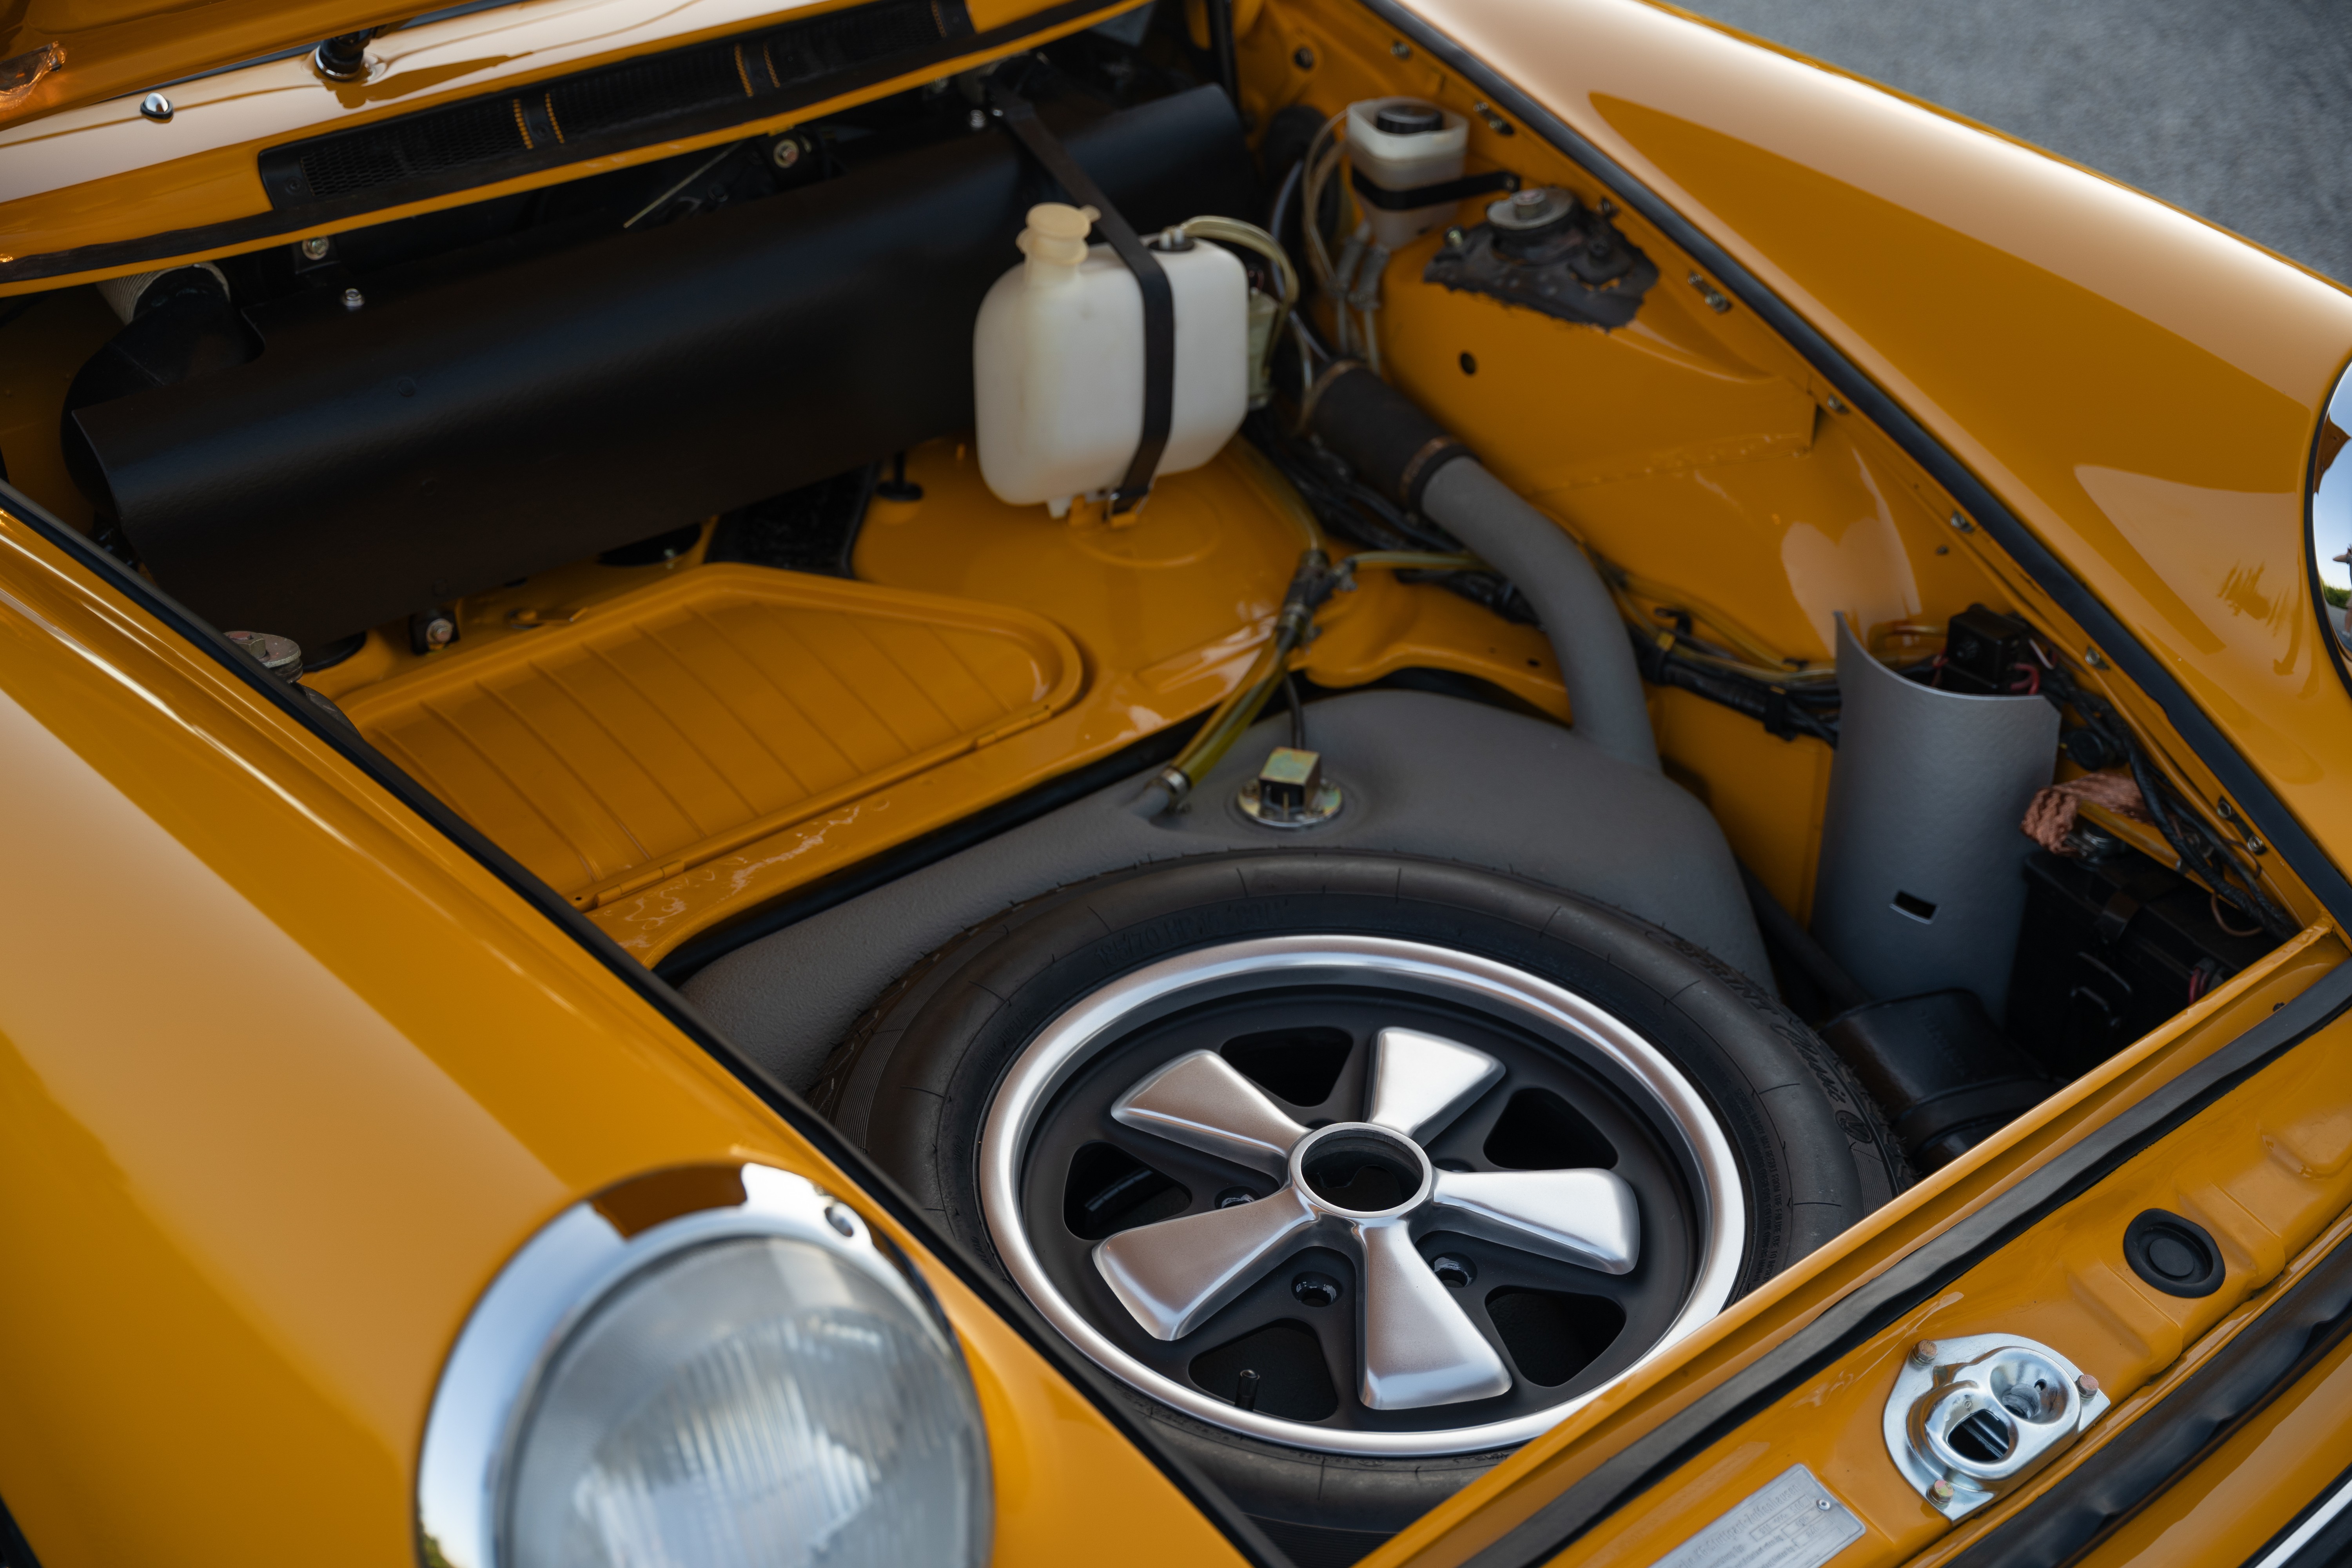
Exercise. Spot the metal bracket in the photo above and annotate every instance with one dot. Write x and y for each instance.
(1971, 1418)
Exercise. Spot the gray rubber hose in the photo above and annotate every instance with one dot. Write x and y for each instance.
(1579, 617)
(1395, 447)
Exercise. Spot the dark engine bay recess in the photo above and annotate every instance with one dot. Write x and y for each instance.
(375, 462)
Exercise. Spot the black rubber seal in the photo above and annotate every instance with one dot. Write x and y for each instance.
(1873, 1307)
(1383, 435)
(2173, 1253)
(873, 1185)
(2243, 784)
(1159, 298)
(1460, 190)
(2309, 1318)
(303, 220)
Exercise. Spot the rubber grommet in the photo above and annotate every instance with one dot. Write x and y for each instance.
(2176, 1255)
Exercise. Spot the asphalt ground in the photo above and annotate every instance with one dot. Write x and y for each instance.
(2240, 112)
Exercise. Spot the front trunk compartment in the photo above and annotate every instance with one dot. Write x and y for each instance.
(641, 520)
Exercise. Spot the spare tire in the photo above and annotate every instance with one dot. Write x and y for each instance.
(1358, 1171)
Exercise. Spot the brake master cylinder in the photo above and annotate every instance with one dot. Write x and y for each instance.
(1057, 361)
(1398, 144)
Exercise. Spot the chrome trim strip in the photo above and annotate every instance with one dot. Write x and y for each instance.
(2279, 1556)
(1071, 1040)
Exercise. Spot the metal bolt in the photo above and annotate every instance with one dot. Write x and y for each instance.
(317, 247)
(786, 151)
(354, 299)
(1941, 1491)
(440, 631)
(976, 119)
(2094, 659)
(1835, 404)
(1823, 1503)
(2088, 1384)
(156, 107)
(1963, 524)
(1401, 49)
(1303, 58)
(1924, 1352)
(1455, 236)
(840, 1219)
(1527, 201)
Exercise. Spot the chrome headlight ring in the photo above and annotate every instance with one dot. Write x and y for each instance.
(775, 1264)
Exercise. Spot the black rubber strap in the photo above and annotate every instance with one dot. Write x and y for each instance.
(1151, 281)
(1468, 186)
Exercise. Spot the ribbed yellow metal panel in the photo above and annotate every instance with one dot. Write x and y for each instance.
(650, 733)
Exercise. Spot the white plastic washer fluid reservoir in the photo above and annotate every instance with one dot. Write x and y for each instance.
(1400, 144)
(1057, 363)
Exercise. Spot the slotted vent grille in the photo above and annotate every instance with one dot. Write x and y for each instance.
(554, 123)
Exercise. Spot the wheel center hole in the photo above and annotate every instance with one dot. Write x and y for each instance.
(1364, 1171)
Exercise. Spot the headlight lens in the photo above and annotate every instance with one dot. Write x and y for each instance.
(752, 1402)
(740, 1385)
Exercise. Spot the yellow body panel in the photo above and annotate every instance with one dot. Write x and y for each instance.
(100, 173)
(665, 729)
(288, 1077)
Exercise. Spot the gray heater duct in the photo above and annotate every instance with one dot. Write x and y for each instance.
(1922, 883)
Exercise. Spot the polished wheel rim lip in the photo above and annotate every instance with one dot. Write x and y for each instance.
(1073, 1038)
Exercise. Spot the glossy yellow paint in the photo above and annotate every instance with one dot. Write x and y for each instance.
(2282, 1209)
(614, 744)
(285, 1076)
(102, 173)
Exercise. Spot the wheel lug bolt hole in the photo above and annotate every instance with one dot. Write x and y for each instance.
(1453, 1269)
(1315, 1289)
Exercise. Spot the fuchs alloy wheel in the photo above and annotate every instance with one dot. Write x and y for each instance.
(1357, 1171)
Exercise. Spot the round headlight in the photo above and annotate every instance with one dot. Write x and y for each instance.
(749, 1382)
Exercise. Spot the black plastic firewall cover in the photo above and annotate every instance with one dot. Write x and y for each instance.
(379, 461)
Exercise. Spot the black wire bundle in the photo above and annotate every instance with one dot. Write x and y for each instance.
(1810, 709)
(2199, 853)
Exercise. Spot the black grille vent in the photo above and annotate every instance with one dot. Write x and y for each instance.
(707, 87)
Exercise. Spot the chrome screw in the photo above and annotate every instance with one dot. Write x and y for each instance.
(978, 119)
(2094, 659)
(316, 246)
(1924, 1353)
(440, 631)
(156, 107)
(354, 299)
(1963, 524)
(1401, 49)
(786, 151)
(1303, 58)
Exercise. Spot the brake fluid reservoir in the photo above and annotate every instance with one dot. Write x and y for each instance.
(1057, 363)
(1402, 144)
